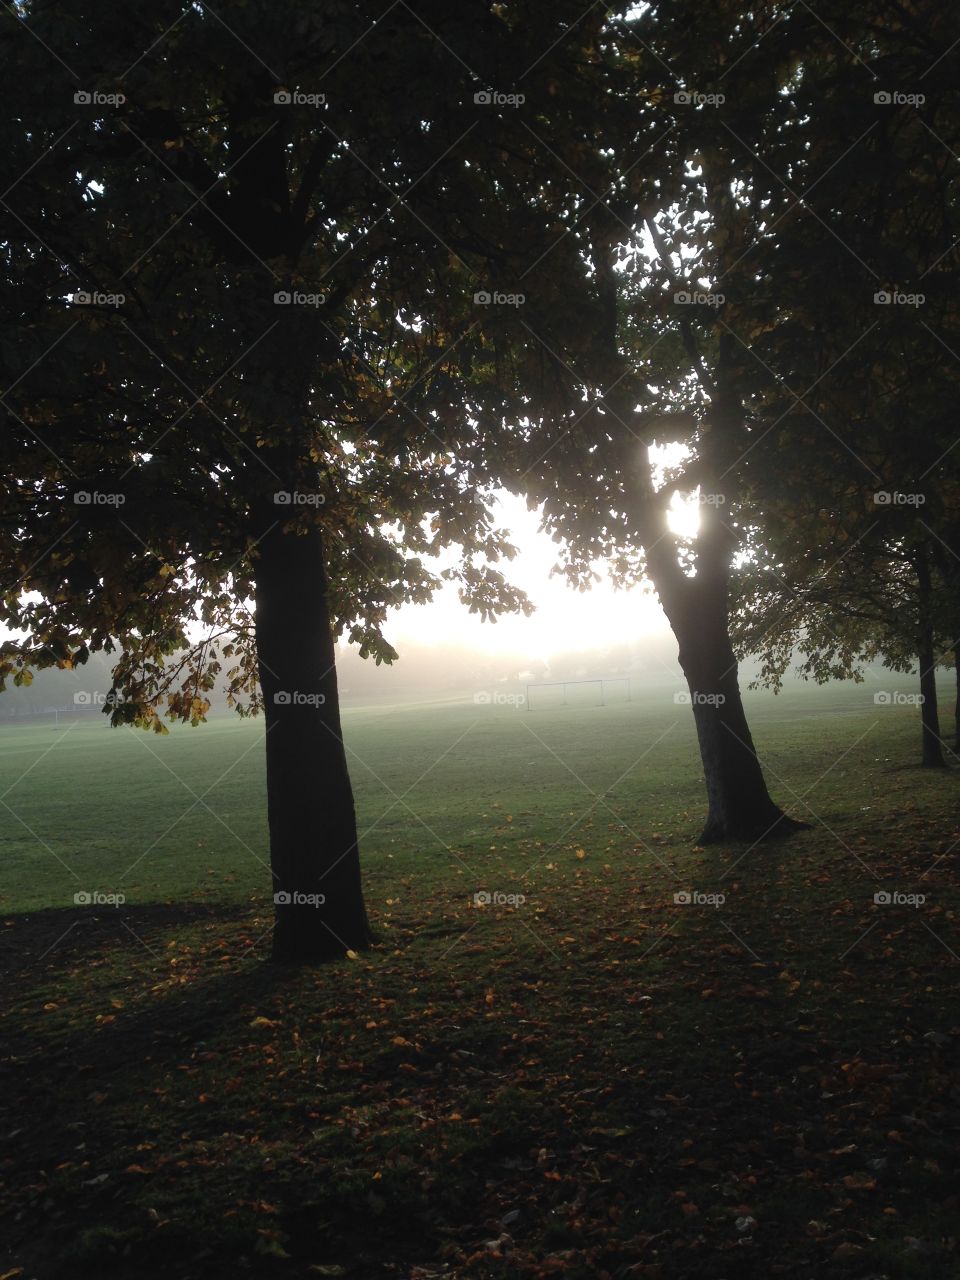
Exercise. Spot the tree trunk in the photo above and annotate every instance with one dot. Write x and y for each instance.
(932, 757)
(956, 705)
(929, 717)
(319, 908)
(739, 804)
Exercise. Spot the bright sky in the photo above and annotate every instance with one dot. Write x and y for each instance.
(564, 619)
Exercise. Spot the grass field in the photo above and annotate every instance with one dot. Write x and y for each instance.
(182, 817)
(581, 1078)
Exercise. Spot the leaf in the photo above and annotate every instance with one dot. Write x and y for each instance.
(271, 1248)
(846, 1250)
(859, 1182)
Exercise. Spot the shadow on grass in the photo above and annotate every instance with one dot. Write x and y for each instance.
(57, 937)
(713, 1093)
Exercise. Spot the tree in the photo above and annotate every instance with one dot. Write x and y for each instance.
(655, 370)
(249, 385)
(861, 562)
(856, 601)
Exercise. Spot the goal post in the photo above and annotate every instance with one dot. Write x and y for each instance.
(599, 685)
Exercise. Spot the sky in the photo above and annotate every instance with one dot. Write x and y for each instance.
(564, 619)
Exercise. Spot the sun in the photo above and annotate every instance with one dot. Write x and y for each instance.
(683, 515)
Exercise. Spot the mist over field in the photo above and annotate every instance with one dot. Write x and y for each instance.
(646, 669)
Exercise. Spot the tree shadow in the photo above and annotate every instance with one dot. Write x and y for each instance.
(54, 938)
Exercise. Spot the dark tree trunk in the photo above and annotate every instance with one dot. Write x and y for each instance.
(697, 608)
(932, 757)
(739, 804)
(930, 720)
(319, 909)
(319, 912)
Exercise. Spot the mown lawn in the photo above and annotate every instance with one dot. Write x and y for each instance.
(593, 1081)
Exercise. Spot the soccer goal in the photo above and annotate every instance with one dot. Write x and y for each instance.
(577, 693)
(49, 717)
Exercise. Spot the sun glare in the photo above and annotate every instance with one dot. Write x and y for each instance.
(683, 516)
(564, 619)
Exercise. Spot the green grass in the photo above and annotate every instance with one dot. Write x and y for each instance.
(182, 817)
(602, 1081)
